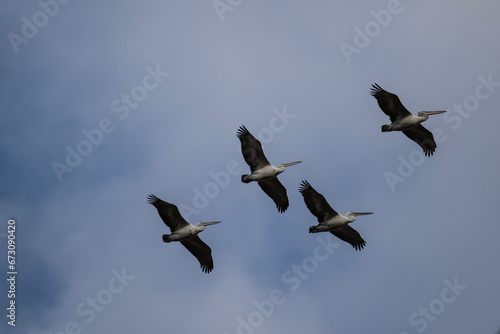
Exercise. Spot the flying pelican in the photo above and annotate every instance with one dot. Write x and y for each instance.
(184, 232)
(329, 220)
(403, 120)
(262, 171)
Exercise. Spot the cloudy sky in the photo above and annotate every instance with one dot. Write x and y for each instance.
(105, 103)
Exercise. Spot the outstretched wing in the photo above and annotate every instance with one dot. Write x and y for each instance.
(422, 137)
(389, 103)
(201, 251)
(316, 203)
(251, 149)
(350, 235)
(168, 213)
(274, 189)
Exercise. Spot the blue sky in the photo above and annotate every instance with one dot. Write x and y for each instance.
(151, 94)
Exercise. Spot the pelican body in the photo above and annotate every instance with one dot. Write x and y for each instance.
(262, 171)
(267, 172)
(405, 121)
(336, 221)
(184, 232)
(409, 121)
(329, 220)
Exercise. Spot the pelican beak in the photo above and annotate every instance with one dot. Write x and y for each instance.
(434, 112)
(210, 223)
(361, 213)
(291, 163)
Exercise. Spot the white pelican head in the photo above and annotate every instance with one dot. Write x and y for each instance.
(353, 215)
(288, 164)
(203, 224)
(426, 114)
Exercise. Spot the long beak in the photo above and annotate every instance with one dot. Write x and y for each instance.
(209, 223)
(361, 213)
(291, 163)
(434, 112)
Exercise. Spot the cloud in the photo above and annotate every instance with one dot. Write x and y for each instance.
(438, 224)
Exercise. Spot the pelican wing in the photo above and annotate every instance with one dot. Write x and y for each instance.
(201, 251)
(251, 149)
(350, 235)
(168, 213)
(389, 103)
(274, 189)
(316, 203)
(422, 137)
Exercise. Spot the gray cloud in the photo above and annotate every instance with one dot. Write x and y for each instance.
(439, 224)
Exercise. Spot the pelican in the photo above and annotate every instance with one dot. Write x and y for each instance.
(403, 120)
(262, 171)
(184, 232)
(329, 220)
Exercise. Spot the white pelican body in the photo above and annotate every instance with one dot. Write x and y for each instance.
(187, 232)
(410, 121)
(184, 232)
(263, 172)
(405, 121)
(329, 220)
(333, 222)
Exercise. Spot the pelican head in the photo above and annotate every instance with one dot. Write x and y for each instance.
(281, 167)
(426, 114)
(207, 223)
(355, 214)
(203, 224)
(289, 164)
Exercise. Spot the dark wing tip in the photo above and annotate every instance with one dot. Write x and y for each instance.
(242, 130)
(428, 151)
(423, 138)
(277, 192)
(207, 268)
(152, 198)
(304, 186)
(376, 89)
(359, 245)
(282, 208)
(429, 146)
